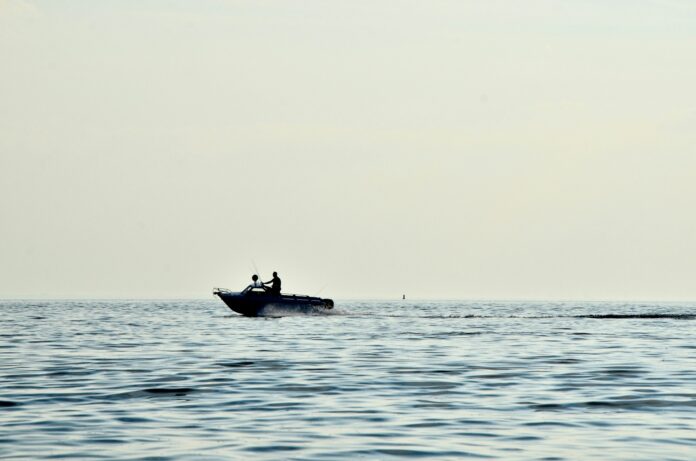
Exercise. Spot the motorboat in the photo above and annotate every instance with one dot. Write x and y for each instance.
(258, 302)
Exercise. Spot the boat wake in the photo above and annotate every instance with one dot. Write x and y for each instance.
(275, 310)
(271, 311)
(637, 316)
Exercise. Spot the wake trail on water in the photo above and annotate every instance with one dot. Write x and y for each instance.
(272, 310)
(585, 316)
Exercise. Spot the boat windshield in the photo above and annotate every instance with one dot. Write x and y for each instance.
(254, 290)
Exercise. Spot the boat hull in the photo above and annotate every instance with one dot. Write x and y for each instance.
(254, 304)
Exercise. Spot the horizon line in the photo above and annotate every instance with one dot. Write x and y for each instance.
(473, 299)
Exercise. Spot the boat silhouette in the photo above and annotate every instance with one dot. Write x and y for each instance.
(257, 302)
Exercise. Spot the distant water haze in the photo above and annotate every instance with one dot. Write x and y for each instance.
(442, 149)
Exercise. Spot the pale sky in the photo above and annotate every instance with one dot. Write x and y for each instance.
(441, 149)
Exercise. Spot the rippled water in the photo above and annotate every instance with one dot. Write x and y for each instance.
(185, 380)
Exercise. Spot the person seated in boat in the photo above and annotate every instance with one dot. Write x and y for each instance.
(275, 284)
(255, 283)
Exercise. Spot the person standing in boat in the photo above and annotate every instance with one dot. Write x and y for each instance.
(255, 283)
(275, 284)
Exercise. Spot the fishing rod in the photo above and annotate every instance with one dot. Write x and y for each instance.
(256, 269)
(320, 290)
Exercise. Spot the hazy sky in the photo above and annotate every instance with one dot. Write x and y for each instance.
(449, 149)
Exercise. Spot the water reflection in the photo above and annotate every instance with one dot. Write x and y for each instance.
(379, 380)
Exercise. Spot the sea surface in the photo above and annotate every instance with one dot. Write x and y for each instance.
(191, 380)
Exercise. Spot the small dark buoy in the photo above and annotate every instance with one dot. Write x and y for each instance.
(403, 296)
